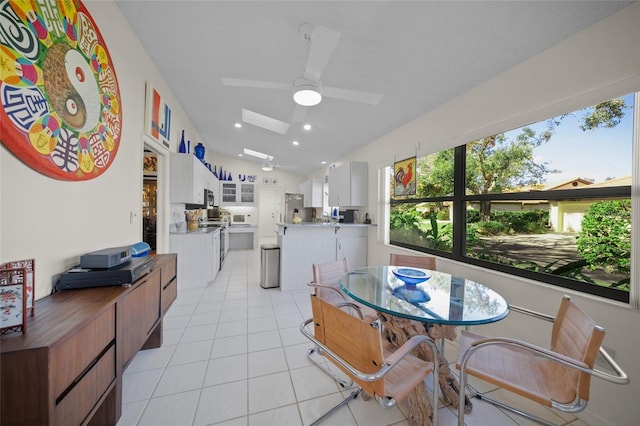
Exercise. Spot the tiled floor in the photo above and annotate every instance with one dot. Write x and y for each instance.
(233, 355)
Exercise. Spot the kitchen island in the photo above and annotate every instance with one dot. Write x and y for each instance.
(303, 244)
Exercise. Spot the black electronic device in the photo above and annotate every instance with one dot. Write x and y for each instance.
(106, 258)
(79, 277)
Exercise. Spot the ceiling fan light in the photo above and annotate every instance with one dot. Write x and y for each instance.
(307, 94)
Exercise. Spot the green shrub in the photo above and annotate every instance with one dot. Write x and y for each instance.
(491, 227)
(530, 222)
(473, 216)
(605, 238)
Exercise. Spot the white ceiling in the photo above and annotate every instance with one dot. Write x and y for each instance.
(417, 54)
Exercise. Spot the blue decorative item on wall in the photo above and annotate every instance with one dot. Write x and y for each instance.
(199, 151)
(182, 148)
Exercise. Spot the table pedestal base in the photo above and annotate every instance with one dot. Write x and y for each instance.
(399, 330)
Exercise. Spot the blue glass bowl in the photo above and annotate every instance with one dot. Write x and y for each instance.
(411, 294)
(410, 276)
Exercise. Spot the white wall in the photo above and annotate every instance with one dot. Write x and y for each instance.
(599, 63)
(55, 221)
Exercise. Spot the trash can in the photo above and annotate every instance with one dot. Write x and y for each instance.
(269, 266)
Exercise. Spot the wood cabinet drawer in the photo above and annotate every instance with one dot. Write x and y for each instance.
(168, 271)
(76, 405)
(139, 315)
(169, 294)
(70, 357)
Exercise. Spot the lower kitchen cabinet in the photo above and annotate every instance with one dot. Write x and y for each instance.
(196, 256)
(67, 369)
(303, 245)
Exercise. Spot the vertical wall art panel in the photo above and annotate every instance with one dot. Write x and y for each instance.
(59, 97)
(157, 115)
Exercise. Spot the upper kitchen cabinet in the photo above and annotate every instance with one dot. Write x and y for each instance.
(312, 191)
(212, 183)
(348, 184)
(187, 179)
(238, 193)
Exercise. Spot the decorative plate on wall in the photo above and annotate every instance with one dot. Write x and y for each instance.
(59, 97)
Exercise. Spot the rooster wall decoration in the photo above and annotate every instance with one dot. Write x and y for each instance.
(404, 177)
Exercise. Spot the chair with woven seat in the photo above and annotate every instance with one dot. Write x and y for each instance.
(559, 378)
(413, 261)
(381, 371)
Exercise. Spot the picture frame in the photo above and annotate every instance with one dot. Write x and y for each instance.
(13, 300)
(157, 116)
(29, 265)
(404, 177)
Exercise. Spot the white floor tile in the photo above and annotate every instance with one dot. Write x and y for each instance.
(312, 409)
(139, 386)
(222, 402)
(151, 359)
(264, 340)
(181, 378)
(172, 410)
(198, 333)
(269, 392)
(283, 416)
(228, 346)
(266, 362)
(191, 352)
(225, 370)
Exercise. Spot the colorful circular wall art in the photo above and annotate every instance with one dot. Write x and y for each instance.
(59, 92)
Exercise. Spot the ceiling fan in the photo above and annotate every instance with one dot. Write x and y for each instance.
(267, 160)
(307, 90)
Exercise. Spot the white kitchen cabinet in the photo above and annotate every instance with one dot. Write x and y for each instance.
(238, 193)
(312, 190)
(303, 245)
(196, 258)
(216, 253)
(212, 183)
(348, 184)
(351, 242)
(187, 179)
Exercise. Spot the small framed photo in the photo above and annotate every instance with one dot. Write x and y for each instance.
(13, 301)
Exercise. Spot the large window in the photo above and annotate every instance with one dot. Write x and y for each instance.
(550, 201)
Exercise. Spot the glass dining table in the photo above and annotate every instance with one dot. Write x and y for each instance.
(412, 300)
(441, 299)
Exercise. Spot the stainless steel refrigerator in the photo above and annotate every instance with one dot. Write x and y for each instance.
(292, 202)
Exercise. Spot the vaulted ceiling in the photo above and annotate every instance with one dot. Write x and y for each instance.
(416, 54)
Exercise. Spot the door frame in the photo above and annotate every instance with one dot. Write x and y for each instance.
(162, 195)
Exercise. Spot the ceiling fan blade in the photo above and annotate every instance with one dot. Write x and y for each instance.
(352, 95)
(299, 113)
(264, 122)
(238, 82)
(323, 41)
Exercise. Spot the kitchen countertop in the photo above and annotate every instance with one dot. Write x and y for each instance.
(199, 231)
(324, 224)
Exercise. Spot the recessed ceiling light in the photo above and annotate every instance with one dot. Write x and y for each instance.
(307, 127)
(323, 162)
(240, 155)
(237, 125)
(296, 143)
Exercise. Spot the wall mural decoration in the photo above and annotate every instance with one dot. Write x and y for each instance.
(60, 102)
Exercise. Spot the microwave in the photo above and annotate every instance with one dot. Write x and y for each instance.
(239, 218)
(208, 203)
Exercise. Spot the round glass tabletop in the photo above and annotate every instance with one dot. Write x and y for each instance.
(441, 299)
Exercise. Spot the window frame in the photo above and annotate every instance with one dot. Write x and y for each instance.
(460, 200)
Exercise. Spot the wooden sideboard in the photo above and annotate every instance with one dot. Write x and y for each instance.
(67, 369)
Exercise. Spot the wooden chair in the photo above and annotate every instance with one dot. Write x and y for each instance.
(326, 284)
(424, 262)
(559, 378)
(383, 372)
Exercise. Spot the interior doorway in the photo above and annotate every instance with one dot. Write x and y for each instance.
(149, 198)
(154, 192)
(270, 210)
